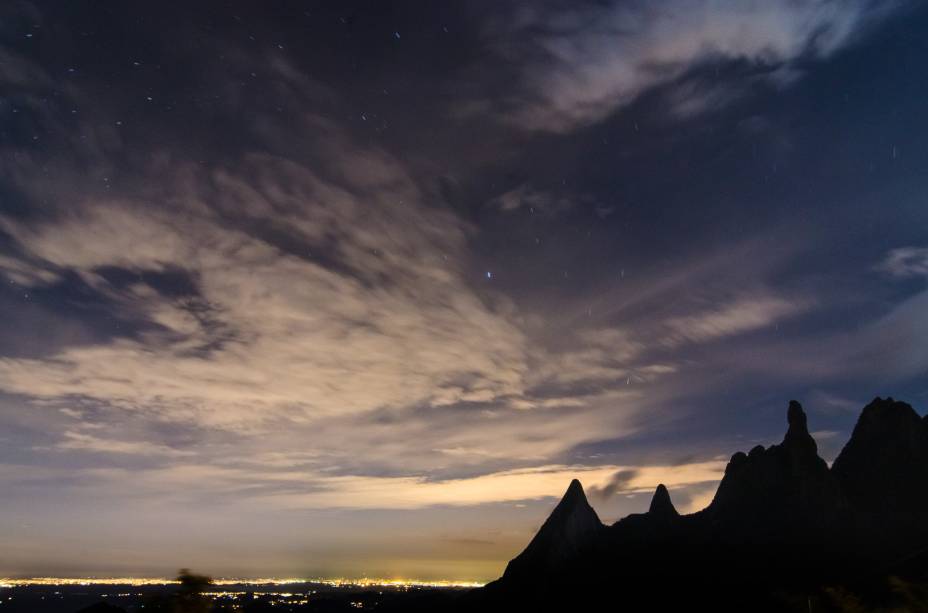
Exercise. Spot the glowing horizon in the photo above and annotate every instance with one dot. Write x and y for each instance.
(6, 582)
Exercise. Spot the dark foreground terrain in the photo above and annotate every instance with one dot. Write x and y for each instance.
(888, 593)
(308, 597)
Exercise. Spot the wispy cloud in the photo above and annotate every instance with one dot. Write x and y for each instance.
(508, 486)
(618, 482)
(906, 262)
(388, 320)
(86, 442)
(739, 316)
(326, 302)
(537, 201)
(313, 323)
(293, 488)
(579, 63)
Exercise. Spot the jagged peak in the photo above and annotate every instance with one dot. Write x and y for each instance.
(884, 465)
(572, 504)
(797, 434)
(574, 492)
(882, 422)
(792, 466)
(887, 409)
(661, 505)
(796, 417)
(572, 527)
(573, 512)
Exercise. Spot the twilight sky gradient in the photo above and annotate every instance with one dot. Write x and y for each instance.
(356, 288)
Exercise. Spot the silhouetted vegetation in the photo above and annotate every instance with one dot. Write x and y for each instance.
(188, 598)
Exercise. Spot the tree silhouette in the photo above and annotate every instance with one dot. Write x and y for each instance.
(189, 598)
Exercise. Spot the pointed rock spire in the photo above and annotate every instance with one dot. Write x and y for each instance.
(796, 418)
(661, 505)
(779, 482)
(574, 494)
(797, 435)
(572, 528)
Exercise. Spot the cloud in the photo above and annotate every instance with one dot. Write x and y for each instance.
(85, 442)
(889, 347)
(617, 483)
(906, 262)
(829, 402)
(893, 346)
(386, 320)
(327, 303)
(742, 315)
(304, 324)
(309, 489)
(699, 498)
(600, 355)
(691, 97)
(528, 197)
(507, 486)
(274, 306)
(579, 63)
(25, 274)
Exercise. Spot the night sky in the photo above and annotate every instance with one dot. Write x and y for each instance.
(356, 289)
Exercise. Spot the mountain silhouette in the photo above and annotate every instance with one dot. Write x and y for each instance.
(777, 495)
(572, 529)
(883, 472)
(884, 467)
(661, 505)
(781, 522)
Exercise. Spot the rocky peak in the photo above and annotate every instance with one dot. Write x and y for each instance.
(796, 417)
(779, 511)
(572, 528)
(884, 465)
(661, 505)
(780, 485)
(574, 494)
(797, 434)
(884, 420)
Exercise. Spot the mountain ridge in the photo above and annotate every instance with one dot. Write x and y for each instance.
(780, 517)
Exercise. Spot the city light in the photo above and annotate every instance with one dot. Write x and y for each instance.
(148, 581)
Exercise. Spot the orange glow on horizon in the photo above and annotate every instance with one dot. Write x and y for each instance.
(332, 582)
